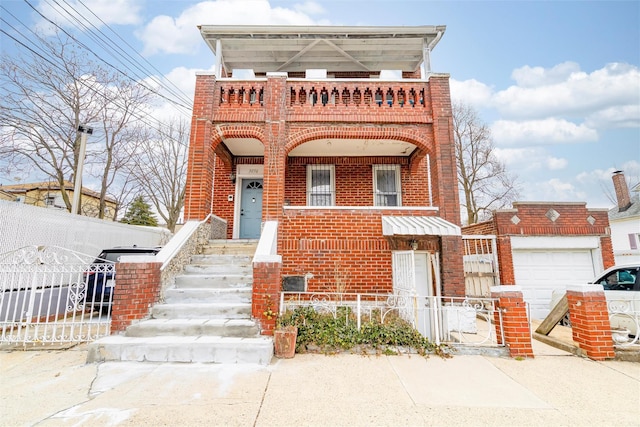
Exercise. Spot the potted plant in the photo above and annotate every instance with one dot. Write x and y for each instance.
(284, 337)
(285, 333)
(284, 341)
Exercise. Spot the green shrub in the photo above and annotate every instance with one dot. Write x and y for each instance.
(332, 334)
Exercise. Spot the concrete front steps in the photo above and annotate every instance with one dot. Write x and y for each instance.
(205, 318)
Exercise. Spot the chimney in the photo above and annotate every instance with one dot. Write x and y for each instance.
(622, 191)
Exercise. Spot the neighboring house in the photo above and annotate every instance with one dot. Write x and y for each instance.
(335, 134)
(547, 245)
(625, 221)
(5, 195)
(47, 194)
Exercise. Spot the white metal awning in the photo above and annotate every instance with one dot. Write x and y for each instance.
(418, 226)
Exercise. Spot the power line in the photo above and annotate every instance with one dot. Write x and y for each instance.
(83, 45)
(115, 49)
(81, 81)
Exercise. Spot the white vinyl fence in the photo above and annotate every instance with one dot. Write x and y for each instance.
(24, 225)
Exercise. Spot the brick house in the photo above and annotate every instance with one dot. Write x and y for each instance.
(343, 137)
(547, 245)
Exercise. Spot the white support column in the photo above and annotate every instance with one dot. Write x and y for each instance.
(426, 59)
(218, 68)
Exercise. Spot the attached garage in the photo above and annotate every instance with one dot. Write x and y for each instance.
(542, 264)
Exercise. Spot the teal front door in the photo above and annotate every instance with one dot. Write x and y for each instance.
(250, 208)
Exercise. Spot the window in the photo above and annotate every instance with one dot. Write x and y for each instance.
(633, 240)
(49, 200)
(623, 279)
(386, 185)
(321, 185)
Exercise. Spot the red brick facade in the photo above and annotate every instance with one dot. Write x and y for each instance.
(138, 289)
(590, 322)
(277, 112)
(515, 323)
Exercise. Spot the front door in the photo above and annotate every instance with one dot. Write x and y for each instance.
(250, 208)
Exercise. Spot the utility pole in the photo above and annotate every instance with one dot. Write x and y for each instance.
(77, 189)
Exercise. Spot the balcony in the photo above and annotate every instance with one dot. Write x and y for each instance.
(357, 100)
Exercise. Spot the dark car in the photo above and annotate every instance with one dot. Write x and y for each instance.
(101, 276)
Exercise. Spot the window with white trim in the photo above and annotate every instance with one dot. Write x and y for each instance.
(321, 185)
(386, 185)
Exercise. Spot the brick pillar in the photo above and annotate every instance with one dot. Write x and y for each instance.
(452, 267)
(201, 160)
(443, 161)
(517, 333)
(266, 294)
(274, 152)
(137, 289)
(505, 260)
(606, 248)
(590, 321)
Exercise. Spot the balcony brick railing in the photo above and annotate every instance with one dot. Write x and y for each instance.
(332, 99)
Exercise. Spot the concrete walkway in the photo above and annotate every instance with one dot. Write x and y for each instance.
(57, 388)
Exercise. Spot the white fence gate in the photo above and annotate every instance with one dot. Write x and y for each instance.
(480, 265)
(43, 296)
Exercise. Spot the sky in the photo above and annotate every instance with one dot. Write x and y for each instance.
(557, 82)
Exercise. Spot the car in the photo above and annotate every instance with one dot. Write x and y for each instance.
(621, 284)
(101, 277)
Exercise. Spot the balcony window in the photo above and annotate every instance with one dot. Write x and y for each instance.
(321, 184)
(386, 185)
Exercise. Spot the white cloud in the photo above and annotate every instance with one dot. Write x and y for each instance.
(538, 76)
(619, 116)
(555, 163)
(180, 34)
(565, 91)
(535, 132)
(111, 12)
(310, 8)
(471, 92)
(630, 168)
(555, 190)
(529, 159)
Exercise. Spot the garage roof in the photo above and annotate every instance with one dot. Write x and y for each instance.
(299, 48)
(418, 226)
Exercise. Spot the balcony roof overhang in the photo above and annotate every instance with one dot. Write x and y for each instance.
(336, 49)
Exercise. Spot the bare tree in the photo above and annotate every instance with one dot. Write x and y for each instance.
(160, 166)
(47, 95)
(484, 182)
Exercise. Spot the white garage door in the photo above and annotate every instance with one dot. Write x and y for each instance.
(539, 272)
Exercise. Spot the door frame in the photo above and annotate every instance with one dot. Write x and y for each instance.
(244, 172)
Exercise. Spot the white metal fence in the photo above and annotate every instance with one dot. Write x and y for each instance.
(53, 295)
(624, 315)
(480, 265)
(23, 225)
(451, 320)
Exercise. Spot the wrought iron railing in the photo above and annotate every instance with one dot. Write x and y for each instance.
(53, 295)
(451, 320)
(624, 315)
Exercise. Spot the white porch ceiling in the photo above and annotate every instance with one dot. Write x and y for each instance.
(327, 147)
(298, 48)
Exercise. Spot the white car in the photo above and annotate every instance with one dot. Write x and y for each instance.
(621, 284)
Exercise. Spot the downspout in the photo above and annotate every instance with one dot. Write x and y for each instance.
(426, 54)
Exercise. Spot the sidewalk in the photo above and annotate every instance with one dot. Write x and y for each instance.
(56, 387)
